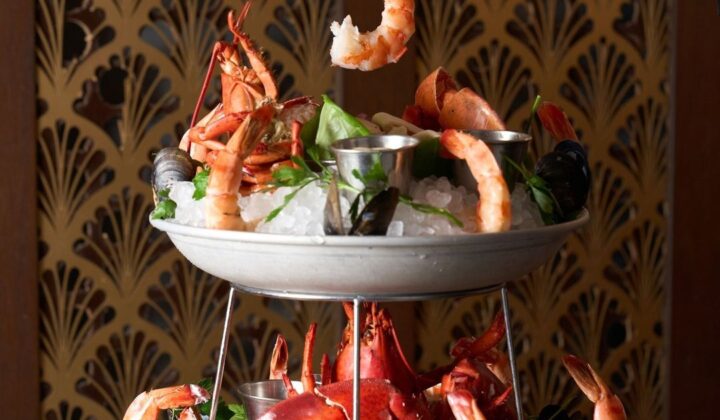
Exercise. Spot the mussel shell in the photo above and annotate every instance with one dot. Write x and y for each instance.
(332, 216)
(573, 149)
(377, 214)
(171, 165)
(567, 178)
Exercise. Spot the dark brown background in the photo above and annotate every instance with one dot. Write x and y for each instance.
(695, 342)
(695, 336)
(19, 360)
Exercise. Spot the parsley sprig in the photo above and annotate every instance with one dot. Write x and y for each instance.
(200, 181)
(297, 177)
(165, 208)
(540, 193)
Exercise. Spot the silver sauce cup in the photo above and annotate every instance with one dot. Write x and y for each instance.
(394, 153)
(259, 397)
(512, 144)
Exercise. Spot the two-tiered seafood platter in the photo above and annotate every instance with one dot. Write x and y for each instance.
(301, 200)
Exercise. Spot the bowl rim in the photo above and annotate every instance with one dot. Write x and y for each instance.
(364, 241)
(412, 143)
(519, 136)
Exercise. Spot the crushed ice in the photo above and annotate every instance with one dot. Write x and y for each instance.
(304, 214)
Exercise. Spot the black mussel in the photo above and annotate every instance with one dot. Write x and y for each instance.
(567, 179)
(377, 214)
(573, 149)
(171, 165)
(332, 219)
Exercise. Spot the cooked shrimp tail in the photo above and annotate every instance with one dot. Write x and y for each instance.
(493, 212)
(222, 210)
(371, 50)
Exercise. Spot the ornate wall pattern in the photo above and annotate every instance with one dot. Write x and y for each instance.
(122, 311)
(603, 295)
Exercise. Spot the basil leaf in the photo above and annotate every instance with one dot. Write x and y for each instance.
(308, 133)
(200, 181)
(165, 209)
(336, 124)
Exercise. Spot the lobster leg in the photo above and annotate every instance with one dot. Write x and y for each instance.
(297, 147)
(476, 347)
(258, 64)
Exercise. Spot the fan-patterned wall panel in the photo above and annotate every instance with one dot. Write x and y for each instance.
(121, 310)
(603, 296)
(117, 80)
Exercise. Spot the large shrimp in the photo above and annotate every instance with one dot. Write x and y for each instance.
(607, 405)
(493, 208)
(371, 50)
(148, 405)
(222, 210)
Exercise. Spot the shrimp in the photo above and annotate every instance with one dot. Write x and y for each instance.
(222, 210)
(607, 405)
(371, 50)
(493, 211)
(148, 405)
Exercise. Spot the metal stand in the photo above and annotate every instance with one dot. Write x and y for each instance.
(223, 355)
(511, 351)
(357, 301)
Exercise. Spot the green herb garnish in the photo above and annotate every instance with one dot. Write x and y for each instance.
(200, 182)
(428, 209)
(336, 124)
(298, 177)
(533, 111)
(540, 192)
(165, 208)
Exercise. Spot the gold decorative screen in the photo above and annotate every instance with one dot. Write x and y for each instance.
(122, 311)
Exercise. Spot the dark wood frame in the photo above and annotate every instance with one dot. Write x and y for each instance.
(19, 357)
(694, 334)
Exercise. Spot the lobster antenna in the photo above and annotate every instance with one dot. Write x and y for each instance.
(203, 90)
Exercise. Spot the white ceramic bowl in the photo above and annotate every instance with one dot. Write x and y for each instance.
(375, 268)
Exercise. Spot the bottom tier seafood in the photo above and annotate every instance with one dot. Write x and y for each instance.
(475, 385)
